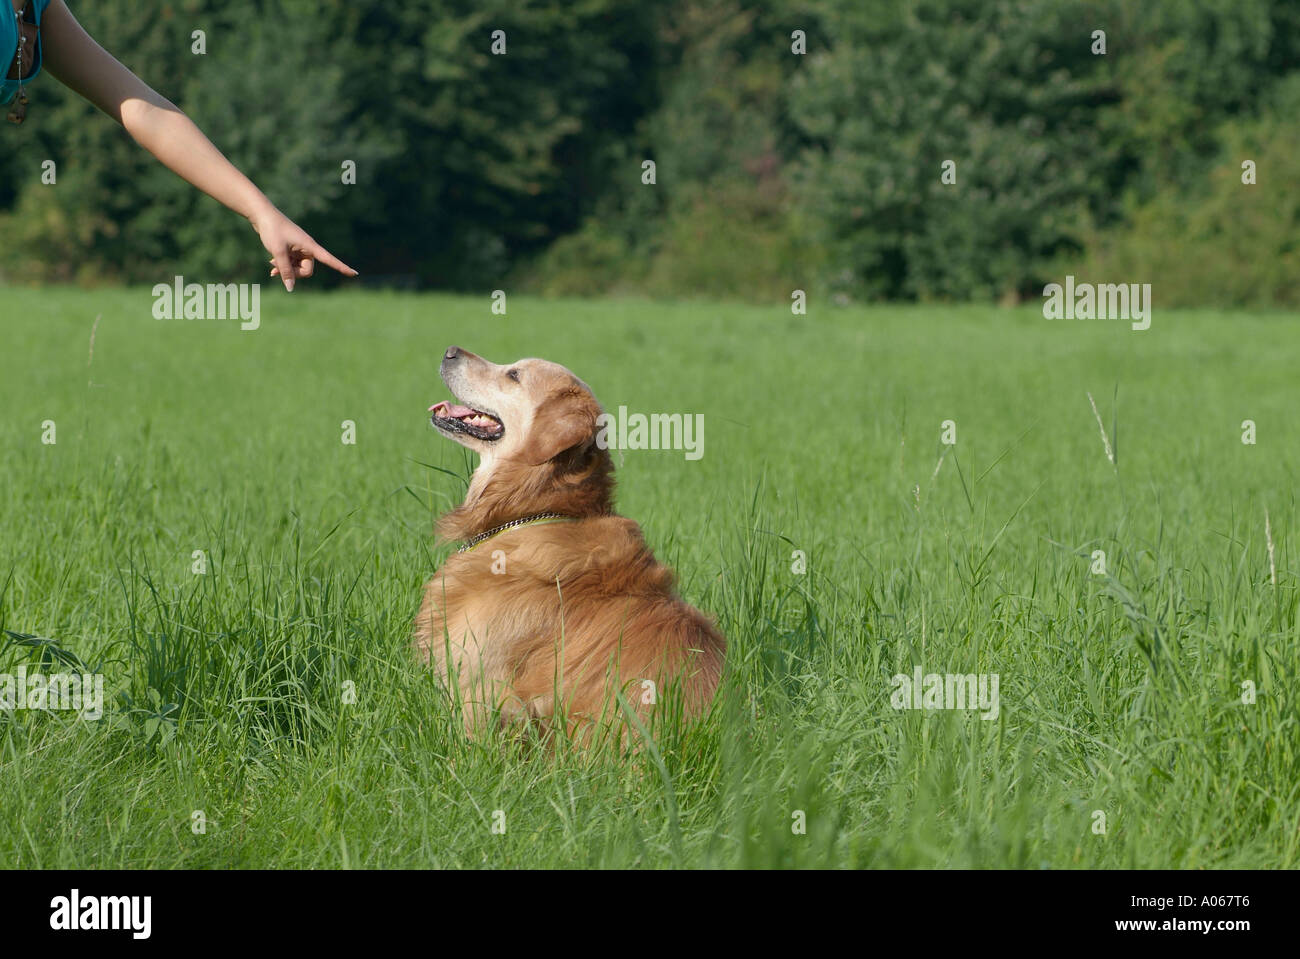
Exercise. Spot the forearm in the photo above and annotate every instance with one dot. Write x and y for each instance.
(153, 121)
(180, 145)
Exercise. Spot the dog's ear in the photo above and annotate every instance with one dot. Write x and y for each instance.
(566, 420)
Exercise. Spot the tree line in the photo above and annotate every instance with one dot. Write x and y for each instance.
(859, 149)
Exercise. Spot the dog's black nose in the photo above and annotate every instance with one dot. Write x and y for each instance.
(453, 352)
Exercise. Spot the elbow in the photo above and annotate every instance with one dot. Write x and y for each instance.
(140, 117)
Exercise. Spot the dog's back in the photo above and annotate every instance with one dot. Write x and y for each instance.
(578, 609)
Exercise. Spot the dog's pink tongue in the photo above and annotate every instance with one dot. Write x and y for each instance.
(450, 409)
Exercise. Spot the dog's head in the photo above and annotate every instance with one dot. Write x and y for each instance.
(534, 425)
(531, 411)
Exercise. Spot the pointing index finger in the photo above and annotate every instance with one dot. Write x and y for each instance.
(330, 260)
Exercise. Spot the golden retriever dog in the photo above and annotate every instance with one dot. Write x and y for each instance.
(552, 604)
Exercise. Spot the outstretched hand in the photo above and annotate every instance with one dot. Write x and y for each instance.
(293, 252)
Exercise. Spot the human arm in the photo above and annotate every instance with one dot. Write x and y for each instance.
(73, 57)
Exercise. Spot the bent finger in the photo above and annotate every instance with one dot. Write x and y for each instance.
(284, 264)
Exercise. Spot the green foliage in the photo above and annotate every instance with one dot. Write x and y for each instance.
(499, 153)
(1047, 138)
(774, 171)
(720, 219)
(1005, 91)
(1229, 242)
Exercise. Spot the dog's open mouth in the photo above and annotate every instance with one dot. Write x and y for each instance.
(455, 418)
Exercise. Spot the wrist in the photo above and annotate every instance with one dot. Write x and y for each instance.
(261, 211)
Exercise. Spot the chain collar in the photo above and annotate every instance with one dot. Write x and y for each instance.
(19, 111)
(525, 521)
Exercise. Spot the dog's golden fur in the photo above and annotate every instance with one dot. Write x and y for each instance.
(576, 609)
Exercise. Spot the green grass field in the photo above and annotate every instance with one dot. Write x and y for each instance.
(1119, 693)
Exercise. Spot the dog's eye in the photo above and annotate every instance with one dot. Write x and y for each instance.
(514, 375)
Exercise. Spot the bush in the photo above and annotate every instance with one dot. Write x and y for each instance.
(1228, 243)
